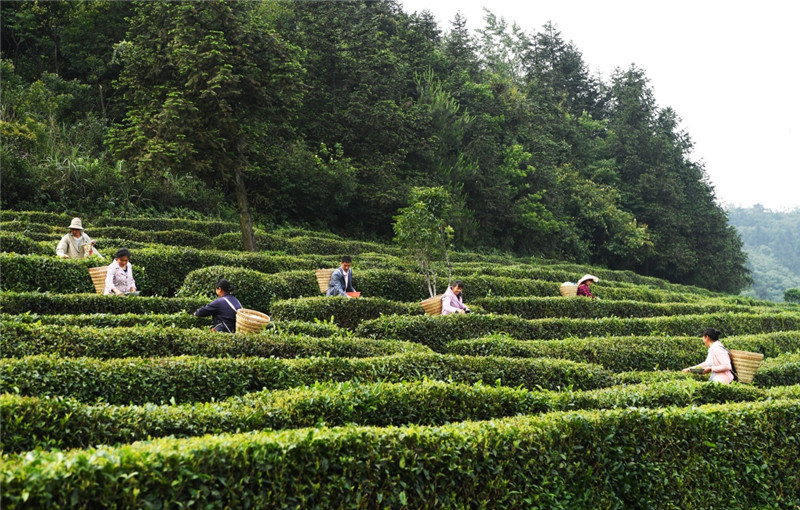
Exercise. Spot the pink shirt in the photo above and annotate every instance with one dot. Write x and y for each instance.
(451, 303)
(720, 362)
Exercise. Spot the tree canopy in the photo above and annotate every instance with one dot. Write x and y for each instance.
(330, 113)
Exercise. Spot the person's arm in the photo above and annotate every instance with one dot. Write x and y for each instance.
(721, 361)
(62, 248)
(336, 285)
(449, 304)
(209, 309)
(110, 288)
(350, 287)
(133, 281)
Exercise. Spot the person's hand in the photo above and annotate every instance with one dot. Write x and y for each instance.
(64, 256)
(460, 311)
(92, 243)
(685, 370)
(133, 289)
(707, 370)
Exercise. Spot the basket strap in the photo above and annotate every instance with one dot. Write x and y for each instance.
(733, 366)
(231, 305)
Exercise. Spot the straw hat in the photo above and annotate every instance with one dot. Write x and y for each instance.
(588, 277)
(76, 223)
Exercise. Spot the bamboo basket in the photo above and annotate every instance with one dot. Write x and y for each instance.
(324, 278)
(745, 363)
(250, 321)
(568, 289)
(98, 275)
(432, 305)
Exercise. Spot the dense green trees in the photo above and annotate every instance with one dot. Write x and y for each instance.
(329, 113)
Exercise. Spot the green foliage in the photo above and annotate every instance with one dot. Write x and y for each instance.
(779, 371)
(12, 242)
(23, 273)
(435, 332)
(20, 340)
(54, 303)
(99, 320)
(345, 313)
(545, 457)
(201, 379)
(421, 230)
(67, 423)
(544, 307)
(623, 354)
(792, 295)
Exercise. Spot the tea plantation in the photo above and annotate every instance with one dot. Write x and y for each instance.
(532, 401)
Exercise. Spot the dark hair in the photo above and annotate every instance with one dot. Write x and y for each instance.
(346, 258)
(122, 252)
(225, 285)
(712, 333)
(459, 284)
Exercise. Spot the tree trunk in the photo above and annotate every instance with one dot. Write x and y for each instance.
(243, 205)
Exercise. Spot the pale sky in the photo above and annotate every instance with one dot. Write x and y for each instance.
(730, 70)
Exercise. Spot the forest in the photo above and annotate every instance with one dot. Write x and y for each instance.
(772, 241)
(328, 114)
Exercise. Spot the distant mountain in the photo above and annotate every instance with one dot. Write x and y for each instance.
(772, 242)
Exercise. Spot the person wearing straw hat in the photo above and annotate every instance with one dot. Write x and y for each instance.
(119, 278)
(583, 285)
(76, 244)
(718, 361)
(223, 309)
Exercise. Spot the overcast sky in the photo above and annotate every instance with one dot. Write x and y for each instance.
(730, 70)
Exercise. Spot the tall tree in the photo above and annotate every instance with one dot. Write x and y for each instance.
(207, 85)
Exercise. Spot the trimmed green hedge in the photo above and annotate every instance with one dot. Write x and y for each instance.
(643, 458)
(18, 340)
(200, 379)
(48, 218)
(779, 371)
(12, 242)
(176, 237)
(345, 313)
(624, 354)
(33, 422)
(211, 228)
(541, 308)
(108, 320)
(436, 331)
(47, 303)
(23, 273)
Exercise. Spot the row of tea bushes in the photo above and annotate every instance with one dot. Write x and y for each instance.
(591, 459)
(33, 422)
(344, 312)
(201, 379)
(436, 332)
(105, 320)
(779, 371)
(18, 340)
(624, 354)
(47, 303)
(259, 290)
(544, 307)
(303, 244)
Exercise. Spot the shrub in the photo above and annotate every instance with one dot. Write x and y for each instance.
(540, 308)
(345, 313)
(621, 354)
(12, 242)
(47, 303)
(435, 332)
(20, 340)
(600, 459)
(33, 422)
(783, 370)
(211, 228)
(200, 379)
(109, 320)
(34, 272)
(36, 217)
(177, 237)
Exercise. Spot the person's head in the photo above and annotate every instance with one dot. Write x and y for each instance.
(223, 287)
(710, 335)
(588, 279)
(458, 287)
(346, 262)
(76, 227)
(123, 256)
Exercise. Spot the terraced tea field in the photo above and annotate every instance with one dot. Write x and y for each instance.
(532, 401)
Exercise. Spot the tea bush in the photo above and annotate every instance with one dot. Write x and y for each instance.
(51, 303)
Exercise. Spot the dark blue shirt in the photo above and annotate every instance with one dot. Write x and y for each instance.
(222, 314)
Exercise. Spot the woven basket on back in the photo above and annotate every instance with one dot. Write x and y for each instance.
(250, 321)
(98, 275)
(432, 305)
(568, 289)
(324, 278)
(745, 363)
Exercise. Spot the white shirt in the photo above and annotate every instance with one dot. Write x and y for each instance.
(120, 279)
